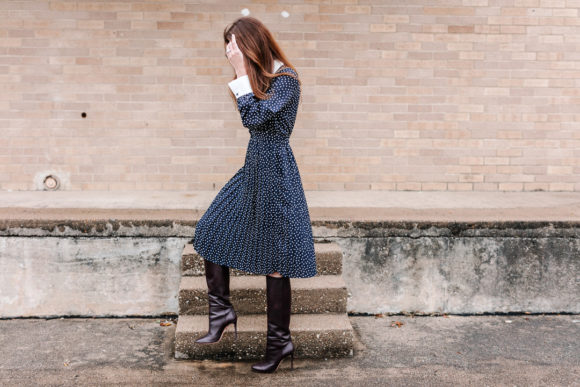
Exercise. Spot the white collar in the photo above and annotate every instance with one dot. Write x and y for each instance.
(277, 65)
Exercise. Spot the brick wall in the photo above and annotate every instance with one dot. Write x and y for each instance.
(470, 95)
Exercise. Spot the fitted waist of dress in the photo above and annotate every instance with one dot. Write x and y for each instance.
(269, 137)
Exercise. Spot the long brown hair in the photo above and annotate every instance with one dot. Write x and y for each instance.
(259, 49)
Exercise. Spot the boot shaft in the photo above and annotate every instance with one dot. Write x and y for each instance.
(218, 280)
(279, 301)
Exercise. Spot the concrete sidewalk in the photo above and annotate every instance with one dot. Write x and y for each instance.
(323, 205)
(505, 350)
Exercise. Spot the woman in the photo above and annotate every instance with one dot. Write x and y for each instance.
(259, 221)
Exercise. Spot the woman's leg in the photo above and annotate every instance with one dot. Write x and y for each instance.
(278, 341)
(221, 310)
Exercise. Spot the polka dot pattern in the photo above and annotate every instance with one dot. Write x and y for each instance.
(259, 221)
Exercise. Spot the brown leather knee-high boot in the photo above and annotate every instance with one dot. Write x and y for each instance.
(278, 341)
(221, 311)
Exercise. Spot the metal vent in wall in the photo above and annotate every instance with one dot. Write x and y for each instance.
(51, 183)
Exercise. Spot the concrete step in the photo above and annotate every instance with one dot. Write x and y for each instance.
(323, 294)
(328, 260)
(313, 335)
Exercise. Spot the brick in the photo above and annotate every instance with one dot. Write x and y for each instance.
(383, 88)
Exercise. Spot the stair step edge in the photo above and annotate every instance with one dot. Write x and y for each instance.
(259, 282)
(258, 323)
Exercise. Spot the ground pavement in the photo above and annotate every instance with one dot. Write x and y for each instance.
(397, 350)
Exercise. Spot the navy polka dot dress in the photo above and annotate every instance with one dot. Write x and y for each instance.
(259, 221)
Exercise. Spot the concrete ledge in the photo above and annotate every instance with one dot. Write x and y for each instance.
(174, 214)
(421, 252)
(323, 205)
(49, 277)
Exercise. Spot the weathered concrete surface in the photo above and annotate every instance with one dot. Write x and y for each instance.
(532, 350)
(427, 274)
(313, 335)
(50, 276)
(325, 294)
(319, 322)
(426, 252)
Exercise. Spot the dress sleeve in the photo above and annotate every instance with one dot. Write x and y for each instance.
(254, 111)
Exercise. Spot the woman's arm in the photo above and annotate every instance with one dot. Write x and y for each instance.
(256, 112)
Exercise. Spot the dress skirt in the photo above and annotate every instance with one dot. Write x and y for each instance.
(259, 221)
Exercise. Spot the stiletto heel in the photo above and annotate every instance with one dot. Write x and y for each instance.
(292, 360)
(236, 329)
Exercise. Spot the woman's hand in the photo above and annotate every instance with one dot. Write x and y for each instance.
(236, 58)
